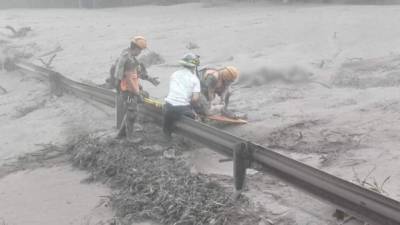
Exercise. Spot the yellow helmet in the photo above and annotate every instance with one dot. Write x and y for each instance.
(229, 73)
(139, 41)
(190, 60)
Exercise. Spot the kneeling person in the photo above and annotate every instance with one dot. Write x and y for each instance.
(217, 82)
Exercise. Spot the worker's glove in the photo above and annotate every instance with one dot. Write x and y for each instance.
(197, 117)
(216, 102)
(154, 80)
(140, 99)
(215, 109)
(144, 93)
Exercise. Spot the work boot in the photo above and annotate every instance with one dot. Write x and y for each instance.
(167, 135)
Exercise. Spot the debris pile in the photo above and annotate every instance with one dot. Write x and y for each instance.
(152, 187)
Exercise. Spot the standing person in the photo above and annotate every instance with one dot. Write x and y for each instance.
(127, 72)
(217, 82)
(184, 91)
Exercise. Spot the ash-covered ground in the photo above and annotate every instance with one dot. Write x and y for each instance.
(319, 84)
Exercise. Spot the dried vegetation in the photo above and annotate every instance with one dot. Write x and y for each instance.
(151, 187)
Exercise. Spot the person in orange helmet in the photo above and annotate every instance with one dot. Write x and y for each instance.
(127, 72)
(137, 45)
(217, 82)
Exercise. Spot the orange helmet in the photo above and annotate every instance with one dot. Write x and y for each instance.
(139, 41)
(229, 73)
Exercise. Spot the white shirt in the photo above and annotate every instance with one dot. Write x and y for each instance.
(183, 83)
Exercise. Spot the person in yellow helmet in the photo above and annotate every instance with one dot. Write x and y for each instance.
(184, 91)
(130, 93)
(217, 82)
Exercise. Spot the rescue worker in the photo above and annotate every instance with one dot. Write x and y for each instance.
(217, 82)
(128, 70)
(184, 91)
(137, 44)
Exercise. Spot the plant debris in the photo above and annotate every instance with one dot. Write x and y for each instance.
(370, 182)
(21, 32)
(152, 187)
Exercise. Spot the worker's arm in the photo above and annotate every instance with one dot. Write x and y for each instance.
(195, 97)
(211, 83)
(226, 99)
(196, 90)
(224, 94)
(211, 94)
(119, 67)
(196, 105)
(144, 75)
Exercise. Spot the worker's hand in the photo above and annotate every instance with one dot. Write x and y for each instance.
(197, 116)
(140, 98)
(155, 81)
(216, 102)
(222, 101)
(216, 109)
(144, 93)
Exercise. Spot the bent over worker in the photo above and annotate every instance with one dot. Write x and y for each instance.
(184, 91)
(217, 82)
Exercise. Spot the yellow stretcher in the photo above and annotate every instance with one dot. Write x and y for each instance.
(155, 102)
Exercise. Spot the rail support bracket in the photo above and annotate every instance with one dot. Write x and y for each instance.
(241, 161)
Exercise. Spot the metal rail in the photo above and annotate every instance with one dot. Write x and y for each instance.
(362, 203)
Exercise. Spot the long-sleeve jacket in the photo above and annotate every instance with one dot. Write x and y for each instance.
(119, 66)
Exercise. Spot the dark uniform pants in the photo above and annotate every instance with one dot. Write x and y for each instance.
(130, 113)
(202, 106)
(173, 114)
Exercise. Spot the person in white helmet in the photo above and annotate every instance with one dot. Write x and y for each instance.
(184, 91)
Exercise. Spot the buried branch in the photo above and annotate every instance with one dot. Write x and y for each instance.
(3, 90)
(48, 63)
(21, 32)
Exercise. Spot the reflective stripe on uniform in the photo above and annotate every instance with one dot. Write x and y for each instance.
(133, 80)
